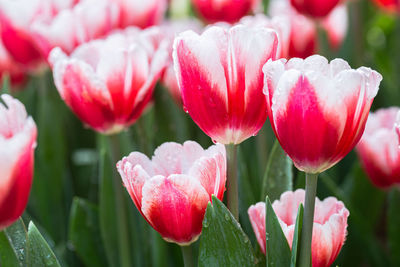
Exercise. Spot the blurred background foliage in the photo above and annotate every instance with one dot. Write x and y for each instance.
(71, 201)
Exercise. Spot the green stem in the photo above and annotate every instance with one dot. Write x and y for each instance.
(120, 208)
(308, 220)
(232, 184)
(187, 253)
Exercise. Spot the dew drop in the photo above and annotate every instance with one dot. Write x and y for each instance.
(185, 109)
(205, 223)
(214, 141)
(227, 217)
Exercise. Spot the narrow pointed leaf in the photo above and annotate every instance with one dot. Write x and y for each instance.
(223, 242)
(39, 252)
(278, 250)
(84, 233)
(278, 176)
(107, 215)
(297, 236)
(16, 236)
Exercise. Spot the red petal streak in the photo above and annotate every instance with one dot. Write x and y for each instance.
(91, 109)
(305, 132)
(175, 206)
(202, 99)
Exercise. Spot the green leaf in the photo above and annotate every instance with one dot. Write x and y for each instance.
(223, 242)
(7, 253)
(393, 226)
(278, 250)
(278, 176)
(297, 236)
(39, 252)
(107, 214)
(16, 236)
(84, 232)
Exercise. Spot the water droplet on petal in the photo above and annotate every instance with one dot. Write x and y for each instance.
(185, 109)
(214, 141)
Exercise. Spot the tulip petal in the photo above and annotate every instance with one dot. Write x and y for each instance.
(175, 206)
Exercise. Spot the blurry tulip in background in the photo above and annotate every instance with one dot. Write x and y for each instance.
(224, 10)
(17, 142)
(108, 83)
(329, 231)
(315, 8)
(328, 104)
(172, 189)
(378, 148)
(303, 41)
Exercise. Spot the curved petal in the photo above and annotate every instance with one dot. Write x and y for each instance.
(175, 207)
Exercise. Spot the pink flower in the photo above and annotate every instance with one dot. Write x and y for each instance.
(314, 8)
(8, 66)
(336, 25)
(168, 31)
(140, 13)
(378, 148)
(317, 109)
(88, 20)
(329, 230)
(219, 74)
(224, 10)
(17, 143)
(107, 83)
(16, 18)
(172, 189)
(281, 24)
(303, 36)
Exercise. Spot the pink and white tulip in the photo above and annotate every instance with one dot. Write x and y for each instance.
(314, 8)
(378, 148)
(220, 77)
(17, 143)
(140, 13)
(329, 229)
(168, 31)
(16, 18)
(224, 10)
(303, 36)
(172, 189)
(318, 109)
(88, 20)
(108, 83)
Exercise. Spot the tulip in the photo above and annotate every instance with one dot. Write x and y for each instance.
(16, 18)
(318, 112)
(8, 66)
(225, 10)
(378, 148)
(329, 231)
(327, 104)
(108, 83)
(220, 77)
(172, 190)
(303, 35)
(168, 31)
(314, 8)
(281, 24)
(17, 143)
(140, 13)
(88, 20)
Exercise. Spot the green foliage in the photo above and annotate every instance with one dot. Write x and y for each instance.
(278, 250)
(84, 233)
(278, 176)
(223, 242)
